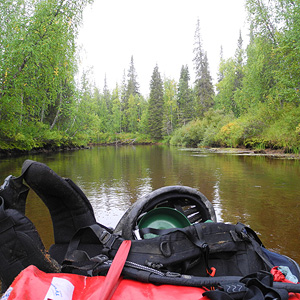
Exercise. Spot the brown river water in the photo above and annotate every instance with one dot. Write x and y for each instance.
(259, 191)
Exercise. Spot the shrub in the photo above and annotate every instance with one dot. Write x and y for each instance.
(284, 132)
(231, 134)
(189, 135)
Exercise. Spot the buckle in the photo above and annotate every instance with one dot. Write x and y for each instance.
(105, 237)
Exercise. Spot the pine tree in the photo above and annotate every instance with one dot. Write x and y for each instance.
(156, 103)
(204, 90)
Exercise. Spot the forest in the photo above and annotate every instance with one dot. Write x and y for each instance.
(43, 103)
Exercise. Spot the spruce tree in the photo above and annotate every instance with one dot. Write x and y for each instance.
(198, 51)
(132, 89)
(132, 84)
(170, 106)
(184, 98)
(156, 103)
(116, 116)
(123, 102)
(239, 61)
(221, 71)
(106, 95)
(204, 90)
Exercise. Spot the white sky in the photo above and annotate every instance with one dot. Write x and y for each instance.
(157, 32)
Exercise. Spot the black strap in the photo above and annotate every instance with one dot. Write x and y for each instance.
(108, 240)
(248, 232)
(80, 263)
(249, 235)
(144, 231)
(257, 286)
(193, 232)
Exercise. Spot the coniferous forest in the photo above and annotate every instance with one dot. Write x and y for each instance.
(43, 104)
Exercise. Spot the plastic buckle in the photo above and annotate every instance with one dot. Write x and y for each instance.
(245, 235)
(105, 237)
(173, 274)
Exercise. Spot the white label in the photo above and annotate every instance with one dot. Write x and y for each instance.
(7, 293)
(60, 289)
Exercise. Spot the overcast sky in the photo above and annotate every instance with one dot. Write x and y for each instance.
(157, 32)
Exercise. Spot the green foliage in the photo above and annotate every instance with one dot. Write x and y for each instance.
(189, 135)
(214, 121)
(131, 88)
(229, 87)
(201, 132)
(230, 134)
(170, 106)
(258, 78)
(203, 90)
(284, 132)
(124, 138)
(116, 119)
(256, 105)
(225, 88)
(186, 108)
(156, 104)
(37, 69)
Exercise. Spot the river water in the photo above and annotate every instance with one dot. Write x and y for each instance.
(259, 191)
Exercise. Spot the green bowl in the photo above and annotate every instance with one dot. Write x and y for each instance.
(163, 218)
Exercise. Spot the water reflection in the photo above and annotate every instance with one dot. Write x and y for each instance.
(257, 191)
(216, 201)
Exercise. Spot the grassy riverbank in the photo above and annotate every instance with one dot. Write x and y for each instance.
(261, 129)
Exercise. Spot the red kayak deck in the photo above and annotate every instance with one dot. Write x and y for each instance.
(34, 284)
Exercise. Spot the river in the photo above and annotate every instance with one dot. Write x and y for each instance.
(259, 191)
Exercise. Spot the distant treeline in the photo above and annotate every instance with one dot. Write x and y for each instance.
(254, 104)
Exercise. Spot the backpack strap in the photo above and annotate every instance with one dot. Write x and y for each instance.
(89, 251)
(200, 237)
(194, 235)
(100, 235)
(68, 206)
(250, 235)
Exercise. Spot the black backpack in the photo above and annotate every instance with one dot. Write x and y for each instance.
(203, 249)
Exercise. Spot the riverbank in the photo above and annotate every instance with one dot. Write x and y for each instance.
(279, 153)
(16, 152)
(276, 154)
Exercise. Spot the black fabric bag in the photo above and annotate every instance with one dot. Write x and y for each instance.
(20, 246)
(199, 250)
